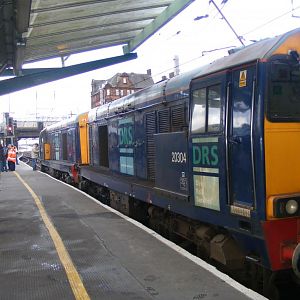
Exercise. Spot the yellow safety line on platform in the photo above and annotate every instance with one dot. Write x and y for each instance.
(75, 281)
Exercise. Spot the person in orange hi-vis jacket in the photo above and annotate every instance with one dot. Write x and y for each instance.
(11, 158)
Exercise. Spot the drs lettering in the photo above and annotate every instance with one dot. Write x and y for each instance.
(205, 155)
(179, 157)
(125, 135)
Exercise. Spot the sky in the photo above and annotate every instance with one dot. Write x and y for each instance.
(193, 41)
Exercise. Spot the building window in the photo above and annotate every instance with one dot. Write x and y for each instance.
(117, 92)
(124, 80)
(122, 93)
(108, 92)
(128, 92)
(132, 91)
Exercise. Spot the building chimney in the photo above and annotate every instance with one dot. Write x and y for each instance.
(164, 77)
(171, 75)
(149, 72)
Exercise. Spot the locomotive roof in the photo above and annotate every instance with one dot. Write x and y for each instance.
(63, 124)
(179, 85)
(261, 50)
(135, 100)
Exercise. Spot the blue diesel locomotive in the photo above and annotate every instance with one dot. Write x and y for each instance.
(211, 156)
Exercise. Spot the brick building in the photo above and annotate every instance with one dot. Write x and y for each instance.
(121, 84)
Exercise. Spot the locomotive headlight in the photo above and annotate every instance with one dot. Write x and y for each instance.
(291, 206)
(284, 206)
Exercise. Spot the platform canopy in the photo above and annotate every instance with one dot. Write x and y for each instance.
(35, 30)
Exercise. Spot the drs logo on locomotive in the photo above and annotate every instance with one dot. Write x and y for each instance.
(126, 148)
(126, 135)
(205, 155)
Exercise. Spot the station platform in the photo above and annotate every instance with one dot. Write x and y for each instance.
(57, 242)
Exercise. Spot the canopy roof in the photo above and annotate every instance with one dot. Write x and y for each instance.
(33, 30)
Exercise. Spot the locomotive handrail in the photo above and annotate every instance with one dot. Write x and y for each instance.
(226, 140)
(252, 140)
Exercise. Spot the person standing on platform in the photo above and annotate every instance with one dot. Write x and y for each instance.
(5, 150)
(11, 158)
(17, 162)
(34, 155)
(2, 158)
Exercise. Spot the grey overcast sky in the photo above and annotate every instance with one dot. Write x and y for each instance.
(183, 36)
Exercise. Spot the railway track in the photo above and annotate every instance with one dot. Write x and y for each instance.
(26, 158)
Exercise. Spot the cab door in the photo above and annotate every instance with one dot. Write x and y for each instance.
(207, 142)
(239, 139)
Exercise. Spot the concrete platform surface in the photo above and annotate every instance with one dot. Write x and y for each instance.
(115, 258)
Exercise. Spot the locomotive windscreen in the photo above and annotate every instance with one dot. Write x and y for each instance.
(284, 91)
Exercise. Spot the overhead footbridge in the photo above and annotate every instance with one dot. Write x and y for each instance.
(36, 30)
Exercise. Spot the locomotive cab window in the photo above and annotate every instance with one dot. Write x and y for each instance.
(284, 91)
(206, 110)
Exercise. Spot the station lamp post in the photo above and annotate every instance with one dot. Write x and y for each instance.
(10, 130)
(10, 127)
